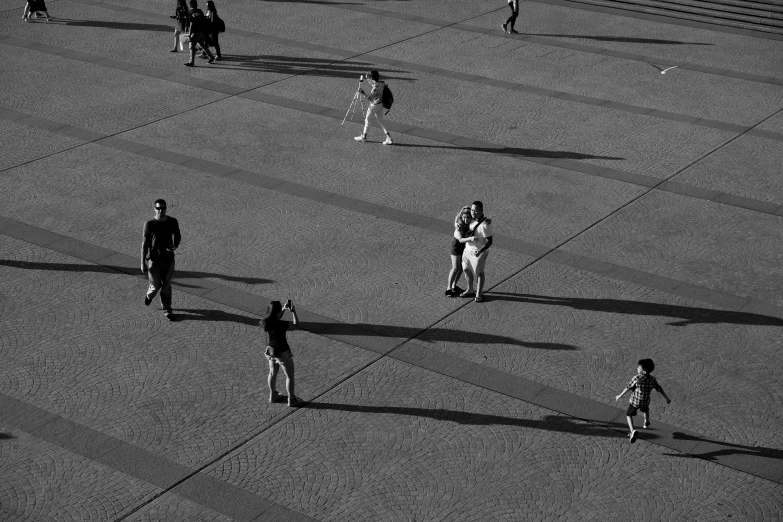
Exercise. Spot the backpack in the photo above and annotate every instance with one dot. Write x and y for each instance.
(387, 99)
(219, 25)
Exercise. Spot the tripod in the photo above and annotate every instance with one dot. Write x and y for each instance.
(352, 107)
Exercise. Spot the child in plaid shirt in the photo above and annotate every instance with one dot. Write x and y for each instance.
(642, 385)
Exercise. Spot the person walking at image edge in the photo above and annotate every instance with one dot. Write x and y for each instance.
(161, 239)
(199, 29)
(508, 26)
(214, 41)
(278, 353)
(35, 7)
(642, 385)
(180, 17)
(461, 226)
(478, 239)
(376, 107)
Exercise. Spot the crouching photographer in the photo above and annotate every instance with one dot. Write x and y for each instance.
(376, 108)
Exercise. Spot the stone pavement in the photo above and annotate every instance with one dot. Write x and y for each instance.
(637, 214)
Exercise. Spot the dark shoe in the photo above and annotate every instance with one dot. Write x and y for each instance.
(449, 293)
(218, 58)
(275, 397)
(646, 425)
(189, 64)
(479, 298)
(457, 290)
(467, 293)
(633, 436)
(173, 50)
(513, 32)
(147, 300)
(170, 315)
(211, 60)
(294, 401)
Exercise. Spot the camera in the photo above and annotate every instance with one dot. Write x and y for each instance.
(289, 304)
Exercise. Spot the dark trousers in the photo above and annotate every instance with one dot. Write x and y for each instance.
(160, 274)
(215, 42)
(512, 18)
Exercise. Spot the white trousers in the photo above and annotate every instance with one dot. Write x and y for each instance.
(377, 111)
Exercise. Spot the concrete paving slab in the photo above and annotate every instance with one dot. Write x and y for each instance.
(748, 167)
(743, 234)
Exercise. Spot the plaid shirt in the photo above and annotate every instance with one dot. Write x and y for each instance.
(642, 386)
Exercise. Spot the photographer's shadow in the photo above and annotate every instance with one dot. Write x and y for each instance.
(295, 65)
(518, 152)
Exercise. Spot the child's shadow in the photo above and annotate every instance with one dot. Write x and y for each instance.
(730, 449)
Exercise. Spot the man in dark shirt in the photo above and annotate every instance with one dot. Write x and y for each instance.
(161, 239)
(200, 28)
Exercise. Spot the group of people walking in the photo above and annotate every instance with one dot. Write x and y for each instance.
(203, 30)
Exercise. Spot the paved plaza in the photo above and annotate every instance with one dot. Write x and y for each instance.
(636, 214)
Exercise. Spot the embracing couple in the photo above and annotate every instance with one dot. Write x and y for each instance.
(472, 239)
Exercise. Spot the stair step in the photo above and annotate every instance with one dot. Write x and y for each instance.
(723, 6)
(768, 25)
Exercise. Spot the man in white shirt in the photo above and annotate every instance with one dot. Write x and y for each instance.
(475, 255)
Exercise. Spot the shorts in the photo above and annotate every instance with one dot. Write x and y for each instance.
(284, 357)
(631, 411)
(472, 262)
(457, 248)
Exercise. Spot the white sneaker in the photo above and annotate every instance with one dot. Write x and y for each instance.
(388, 141)
(360, 138)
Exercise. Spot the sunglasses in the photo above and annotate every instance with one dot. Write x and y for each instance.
(160, 208)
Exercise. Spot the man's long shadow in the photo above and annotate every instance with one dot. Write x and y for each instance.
(426, 335)
(622, 39)
(296, 65)
(195, 314)
(549, 422)
(126, 26)
(731, 449)
(519, 152)
(71, 267)
(686, 315)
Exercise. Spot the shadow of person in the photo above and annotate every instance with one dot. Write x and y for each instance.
(557, 423)
(685, 315)
(518, 152)
(6, 436)
(297, 65)
(621, 39)
(730, 449)
(195, 314)
(405, 333)
(125, 26)
(74, 267)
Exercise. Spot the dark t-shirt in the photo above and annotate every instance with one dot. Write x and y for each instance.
(275, 337)
(198, 22)
(160, 235)
(456, 247)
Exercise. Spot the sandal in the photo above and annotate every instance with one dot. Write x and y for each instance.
(479, 298)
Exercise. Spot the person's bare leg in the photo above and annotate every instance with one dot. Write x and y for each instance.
(271, 379)
(177, 33)
(288, 370)
(479, 284)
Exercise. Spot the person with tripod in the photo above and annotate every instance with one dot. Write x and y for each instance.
(376, 107)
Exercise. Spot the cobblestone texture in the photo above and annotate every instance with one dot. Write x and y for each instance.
(43, 482)
(398, 443)
(352, 233)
